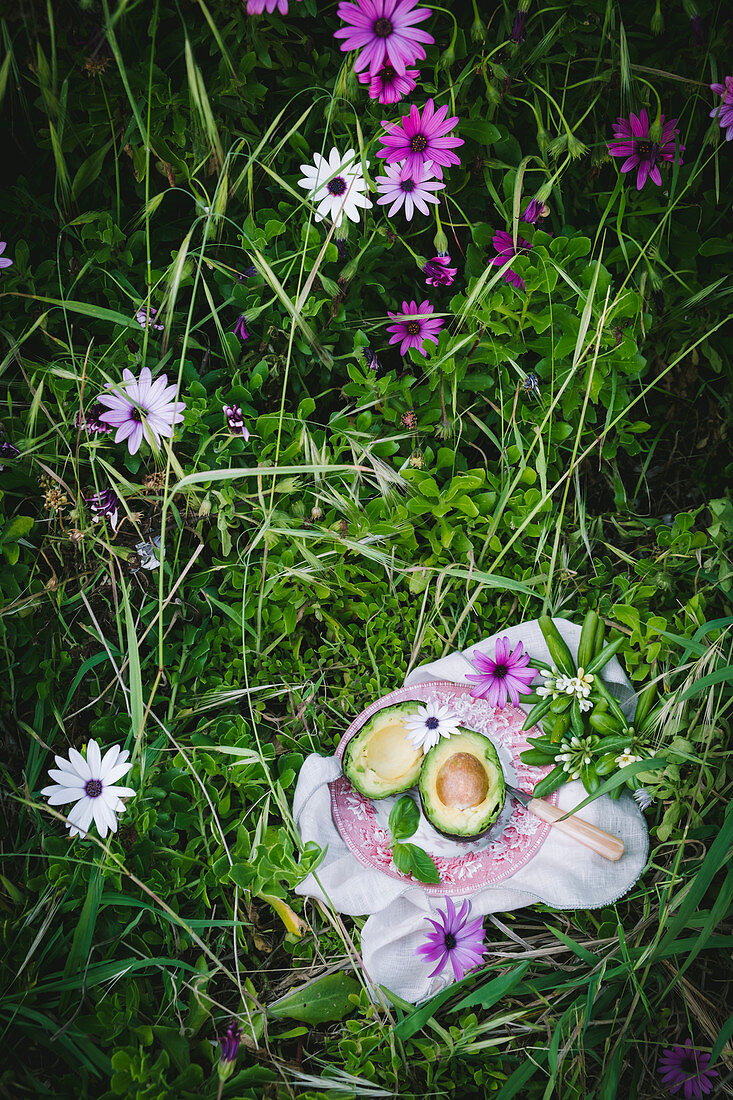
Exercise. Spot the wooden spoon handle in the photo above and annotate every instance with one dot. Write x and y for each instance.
(605, 844)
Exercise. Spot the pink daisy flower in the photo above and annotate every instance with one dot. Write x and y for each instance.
(634, 142)
(385, 32)
(142, 409)
(438, 271)
(723, 113)
(418, 137)
(507, 674)
(257, 7)
(503, 242)
(5, 261)
(407, 186)
(387, 85)
(414, 326)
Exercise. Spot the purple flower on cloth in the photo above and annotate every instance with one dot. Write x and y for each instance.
(241, 330)
(257, 7)
(5, 261)
(90, 420)
(686, 1068)
(385, 32)
(633, 141)
(503, 242)
(723, 113)
(414, 326)
(389, 86)
(105, 503)
(145, 317)
(422, 136)
(235, 421)
(408, 186)
(454, 940)
(438, 271)
(142, 409)
(507, 674)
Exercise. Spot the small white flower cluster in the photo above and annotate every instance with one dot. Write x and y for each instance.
(579, 685)
(576, 752)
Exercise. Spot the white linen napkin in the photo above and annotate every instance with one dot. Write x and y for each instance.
(563, 874)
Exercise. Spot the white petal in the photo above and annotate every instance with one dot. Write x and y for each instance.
(81, 815)
(66, 778)
(79, 764)
(100, 817)
(109, 760)
(64, 764)
(120, 792)
(59, 796)
(116, 773)
(94, 758)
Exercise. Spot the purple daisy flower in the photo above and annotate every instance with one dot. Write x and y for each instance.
(229, 1043)
(257, 7)
(413, 326)
(105, 503)
(235, 421)
(409, 186)
(145, 317)
(517, 31)
(507, 674)
(370, 359)
(723, 113)
(422, 136)
(503, 242)
(142, 409)
(249, 273)
(385, 32)
(454, 940)
(687, 1068)
(5, 261)
(389, 86)
(438, 271)
(7, 450)
(533, 211)
(241, 330)
(634, 142)
(90, 420)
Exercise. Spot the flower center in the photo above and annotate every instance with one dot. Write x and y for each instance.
(382, 28)
(419, 143)
(137, 414)
(500, 672)
(688, 1064)
(93, 788)
(387, 74)
(432, 723)
(337, 186)
(450, 940)
(413, 328)
(407, 186)
(647, 150)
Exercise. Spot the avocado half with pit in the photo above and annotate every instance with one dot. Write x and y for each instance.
(379, 760)
(462, 785)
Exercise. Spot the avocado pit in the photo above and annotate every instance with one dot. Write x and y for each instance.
(462, 781)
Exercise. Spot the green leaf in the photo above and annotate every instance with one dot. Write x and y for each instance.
(493, 991)
(16, 528)
(423, 866)
(89, 170)
(318, 1002)
(404, 818)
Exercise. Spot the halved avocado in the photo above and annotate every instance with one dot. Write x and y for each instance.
(462, 785)
(379, 760)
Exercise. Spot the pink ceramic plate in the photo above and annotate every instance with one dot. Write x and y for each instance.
(464, 866)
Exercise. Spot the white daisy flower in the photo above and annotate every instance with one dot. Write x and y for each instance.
(430, 724)
(337, 186)
(643, 798)
(90, 784)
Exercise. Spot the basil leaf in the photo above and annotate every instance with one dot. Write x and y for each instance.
(423, 867)
(404, 818)
(402, 858)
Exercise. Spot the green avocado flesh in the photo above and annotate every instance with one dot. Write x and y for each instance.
(462, 785)
(379, 760)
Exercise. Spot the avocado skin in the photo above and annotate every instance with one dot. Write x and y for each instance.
(409, 706)
(431, 808)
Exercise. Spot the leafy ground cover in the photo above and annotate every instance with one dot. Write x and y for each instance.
(219, 585)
